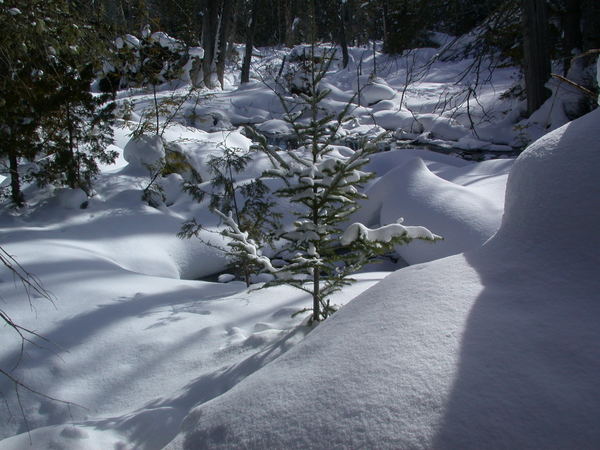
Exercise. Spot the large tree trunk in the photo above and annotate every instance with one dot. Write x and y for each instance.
(342, 33)
(245, 76)
(590, 18)
(210, 25)
(224, 37)
(536, 53)
(571, 26)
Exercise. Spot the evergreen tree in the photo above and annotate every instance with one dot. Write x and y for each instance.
(323, 190)
(47, 66)
(243, 208)
(77, 133)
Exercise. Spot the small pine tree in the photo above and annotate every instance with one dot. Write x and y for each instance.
(243, 208)
(147, 62)
(323, 189)
(78, 133)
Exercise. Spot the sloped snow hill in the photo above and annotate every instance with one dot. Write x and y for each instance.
(493, 348)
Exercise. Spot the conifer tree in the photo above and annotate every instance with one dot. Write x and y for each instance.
(47, 112)
(323, 189)
(77, 133)
(244, 210)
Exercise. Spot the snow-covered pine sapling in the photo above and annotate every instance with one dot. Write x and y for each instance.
(243, 209)
(323, 187)
(148, 62)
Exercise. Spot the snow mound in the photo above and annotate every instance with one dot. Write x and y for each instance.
(393, 120)
(71, 198)
(493, 348)
(464, 217)
(275, 126)
(144, 151)
(375, 92)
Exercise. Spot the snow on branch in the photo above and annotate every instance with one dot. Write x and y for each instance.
(241, 241)
(387, 233)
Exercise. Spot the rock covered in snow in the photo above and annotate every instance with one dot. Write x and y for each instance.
(71, 198)
(493, 348)
(275, 126)
(397, 120)
(226, 278)
(144, 151)
(376, 91)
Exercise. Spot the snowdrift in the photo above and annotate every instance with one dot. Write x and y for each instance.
(492, 348)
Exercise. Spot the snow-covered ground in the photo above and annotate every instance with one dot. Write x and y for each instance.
(147, 354)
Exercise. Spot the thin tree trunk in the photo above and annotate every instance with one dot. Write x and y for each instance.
(536, 52)
(386, 25)
(289, 24)
(590, 18)
(156, 110)
(572, 31)
(316, 295)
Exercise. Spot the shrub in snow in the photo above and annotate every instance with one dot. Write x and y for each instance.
(153, 59)
(244, 210)
(323, 190)
(150, 61)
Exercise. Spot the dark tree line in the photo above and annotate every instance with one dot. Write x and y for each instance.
(547, 29)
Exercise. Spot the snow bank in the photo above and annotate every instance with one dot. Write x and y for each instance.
(376, 91)
(494, 348)
(463, 203)
(144, 151)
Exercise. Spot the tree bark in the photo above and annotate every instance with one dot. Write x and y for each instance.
(224, 37)
(245, 76)
(590, 18)
(343, 41)
(536, 52)
(15, 182)
(210, 18)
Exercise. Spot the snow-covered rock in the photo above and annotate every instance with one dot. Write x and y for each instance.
(144, 151)
(275, 126)
(375, 92)
(70, 198)
(395, 120)
(493, 348)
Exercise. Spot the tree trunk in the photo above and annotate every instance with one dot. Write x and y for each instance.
(343, 41)
(224, 36)
(536, 53)
(590, 18)
(245, 76)
(289, 24)
(571, 26)
(15, 182)
(210, 20)
(386, 25)
(316, 295)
